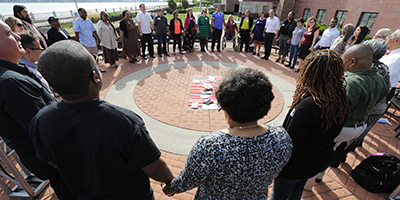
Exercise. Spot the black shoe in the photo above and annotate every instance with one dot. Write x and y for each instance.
(132, 61)
(135, 59)
(144, 57)
(317, 180)
(159, 55)
(297, 70)
(254, 53)
(166, 54)
(102, 70)
(264, 57)
(288, 65)
(291, 67)
(153, 56)
(258, 54)
(219, 50)
(282, 61)
(212, 50)
(277, 60)
(174, 53)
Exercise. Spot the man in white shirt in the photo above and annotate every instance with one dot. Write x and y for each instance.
(328, 36)
(270, 32)
(146, 29)
(30, 42)
(392, 60)
(84, 32)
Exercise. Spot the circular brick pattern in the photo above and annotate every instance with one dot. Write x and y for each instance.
(164, 96)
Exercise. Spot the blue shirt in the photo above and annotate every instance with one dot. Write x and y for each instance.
(85, 29)
(218, 19)
(297, 35)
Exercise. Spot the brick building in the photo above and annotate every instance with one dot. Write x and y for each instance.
(375, 14)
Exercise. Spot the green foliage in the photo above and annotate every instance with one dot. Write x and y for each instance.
(181, 10)
(367, 37)
(172, 4)
(227, 12)
(211, 11)
(185, 4)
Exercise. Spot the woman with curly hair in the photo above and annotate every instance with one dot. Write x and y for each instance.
(240, 161)
(316, 116)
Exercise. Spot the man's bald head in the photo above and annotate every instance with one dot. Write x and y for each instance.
(358, 56)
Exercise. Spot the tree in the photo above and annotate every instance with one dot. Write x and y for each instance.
(185, 4)
(172, 4)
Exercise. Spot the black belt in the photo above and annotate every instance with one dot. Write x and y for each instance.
(356, 125)
(270, 33)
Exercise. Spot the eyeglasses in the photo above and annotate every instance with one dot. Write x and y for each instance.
(19, 24)
(41, 49)
(378, 36)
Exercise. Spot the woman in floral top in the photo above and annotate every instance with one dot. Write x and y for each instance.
(240, 161)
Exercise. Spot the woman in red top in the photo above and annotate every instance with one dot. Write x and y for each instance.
(231, 29)
(308, 40)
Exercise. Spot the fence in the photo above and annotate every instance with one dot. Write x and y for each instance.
(40, 17)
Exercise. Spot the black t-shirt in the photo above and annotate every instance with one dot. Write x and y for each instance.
(312, 145)
(98, 148)
(21, 97)
(287, 27)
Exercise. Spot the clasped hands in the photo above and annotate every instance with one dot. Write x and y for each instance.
(166, 188)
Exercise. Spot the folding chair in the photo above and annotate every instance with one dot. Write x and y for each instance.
(21, 183)
(395, 194)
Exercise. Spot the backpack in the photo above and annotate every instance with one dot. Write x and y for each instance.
(379, 173)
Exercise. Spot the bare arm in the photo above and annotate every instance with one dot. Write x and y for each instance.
(77, 36)
(212, 23)
(314, 39)
(140, 28)
(159, 171)
(97, 37)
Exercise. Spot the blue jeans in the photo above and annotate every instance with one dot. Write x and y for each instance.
(162, 38)
(287, 189)
(294, 50)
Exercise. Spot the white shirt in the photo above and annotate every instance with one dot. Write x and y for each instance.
(272, 25)
(85, 29)
(107, 35)
(392, 60)
(145, 21)
(62, 32)
(328, 37)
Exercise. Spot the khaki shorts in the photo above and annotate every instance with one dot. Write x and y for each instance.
(92, 50)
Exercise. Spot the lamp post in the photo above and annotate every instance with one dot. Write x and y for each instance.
(76, 4)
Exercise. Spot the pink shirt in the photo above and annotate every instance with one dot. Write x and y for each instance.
(187, 23)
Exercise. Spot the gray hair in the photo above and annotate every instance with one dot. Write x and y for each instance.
(397, 36)
(378, 46)
(67, 66)
(385, 32)
(349, 31)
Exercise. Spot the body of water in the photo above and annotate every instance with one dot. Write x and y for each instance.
(7, 8)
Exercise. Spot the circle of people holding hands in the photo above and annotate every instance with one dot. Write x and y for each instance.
(85, 159)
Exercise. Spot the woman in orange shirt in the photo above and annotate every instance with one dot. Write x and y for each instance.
(176, 30)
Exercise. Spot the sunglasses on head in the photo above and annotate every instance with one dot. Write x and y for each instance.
(19, 24)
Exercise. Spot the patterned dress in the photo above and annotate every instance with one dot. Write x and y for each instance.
(204, 26)
(225, 166)
(190, 35)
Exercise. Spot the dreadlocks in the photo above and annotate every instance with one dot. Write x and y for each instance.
(321, 76)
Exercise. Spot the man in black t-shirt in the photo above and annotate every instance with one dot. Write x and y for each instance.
(285, 35)
(112, 159)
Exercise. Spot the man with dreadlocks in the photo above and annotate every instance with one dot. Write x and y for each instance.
(365, 88)
(316, 116)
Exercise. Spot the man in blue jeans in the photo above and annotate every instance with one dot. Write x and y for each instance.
(160, 25)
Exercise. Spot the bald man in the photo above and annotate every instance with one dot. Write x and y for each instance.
(365, 88)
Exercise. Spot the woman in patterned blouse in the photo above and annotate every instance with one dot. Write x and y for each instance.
(240, 161)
